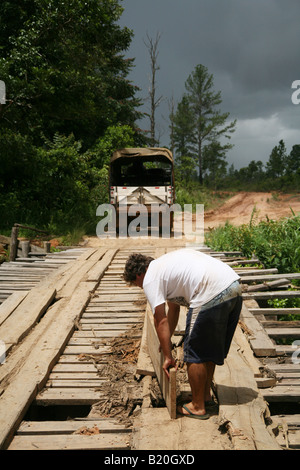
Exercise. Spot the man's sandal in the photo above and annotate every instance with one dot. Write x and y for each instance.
(193, 415)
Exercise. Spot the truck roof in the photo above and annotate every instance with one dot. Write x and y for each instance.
(147, 152)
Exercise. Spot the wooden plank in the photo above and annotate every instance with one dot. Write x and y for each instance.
(87, 350)
(105, 425)
(253, 272)
(286, 394)
(75, 383)
(269, 277)
(73, 376)
(28, 312)
(283, 332)
(67, 396)
(78, 367)
(271, 295)
(285, 349)
(144, 364)
(241, 404)
(35, 371)
(168, 387)
(96, 273)
(11, 304)
(258, 339)
(275, 311)
(77, 274)
(118, 441)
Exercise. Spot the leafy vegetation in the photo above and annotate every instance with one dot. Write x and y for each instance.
(275, 243)
(69, 106)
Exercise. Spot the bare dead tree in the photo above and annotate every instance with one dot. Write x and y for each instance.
(152, 46)
(171, 105)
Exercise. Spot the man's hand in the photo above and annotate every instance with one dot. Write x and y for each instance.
(167, 364)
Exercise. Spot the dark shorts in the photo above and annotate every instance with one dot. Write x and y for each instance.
(209, 331)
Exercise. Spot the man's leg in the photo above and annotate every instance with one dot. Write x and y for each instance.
(200, 378)
(210, 375)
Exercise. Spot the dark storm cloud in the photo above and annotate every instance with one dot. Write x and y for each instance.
(250, 47)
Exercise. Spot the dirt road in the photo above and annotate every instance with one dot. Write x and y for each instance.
(237, 210)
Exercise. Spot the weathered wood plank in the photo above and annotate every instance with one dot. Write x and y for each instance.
(269, 277)
(118, 441)
(144, 364)
(70, 426)
(24, 387)
(97, 271)
(67, 396)
(275, 311)
(10, 304)
(283, 332)
(168, 387)
(241, 404)
(28, 312)
(271, 295)
(259, 339)
(284, 394)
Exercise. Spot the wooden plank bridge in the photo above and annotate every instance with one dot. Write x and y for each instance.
(76, 373)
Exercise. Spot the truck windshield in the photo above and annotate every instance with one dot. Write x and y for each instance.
(140, 172)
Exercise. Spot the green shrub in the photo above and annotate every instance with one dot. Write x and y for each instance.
(275, 243)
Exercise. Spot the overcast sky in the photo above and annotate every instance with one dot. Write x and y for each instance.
(250, 46)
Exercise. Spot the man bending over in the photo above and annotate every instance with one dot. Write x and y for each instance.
(212, 292)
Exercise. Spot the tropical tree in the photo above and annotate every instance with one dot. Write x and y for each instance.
(64, 68)
(293, 161)
(214, 162)
(276, 165)
(210, 124)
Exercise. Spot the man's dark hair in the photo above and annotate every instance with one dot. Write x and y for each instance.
(136, 264)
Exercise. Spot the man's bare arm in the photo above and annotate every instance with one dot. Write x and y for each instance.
(173, 315)
(163, 332)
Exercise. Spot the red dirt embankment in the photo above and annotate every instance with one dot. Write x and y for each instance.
(238, 209)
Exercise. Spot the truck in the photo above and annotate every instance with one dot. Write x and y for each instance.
(143, 176)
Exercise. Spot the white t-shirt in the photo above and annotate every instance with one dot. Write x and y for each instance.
(187, 277)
